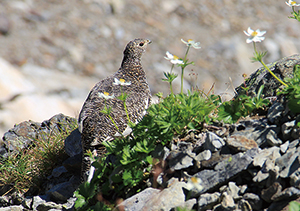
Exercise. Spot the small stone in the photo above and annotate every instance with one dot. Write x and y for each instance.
(270, 153)
(253, 200)
(213, 142)
(244, 205)
(233, 190)
(284, 147)
(274, 112)
(288, 163)
(37, 200)
(227, 202)
(57, 172)
(204, 155)
(180, 160)
(288, 193)
(286, 129)
(49, 206)
(207, 201)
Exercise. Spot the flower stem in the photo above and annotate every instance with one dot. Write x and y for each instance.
(267, 68)
(182, 68)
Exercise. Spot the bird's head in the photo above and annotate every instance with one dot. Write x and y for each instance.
(136, 48)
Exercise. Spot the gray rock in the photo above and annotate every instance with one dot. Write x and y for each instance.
(187, 205)
(227, 202)
(12, 208)
(153, 199)
(288, 163)
(275, 112)
(294, 144)
(269, 153)
(49, 206)
(288, 193)
(284, 147)
(63, 191)
(4, 201)
(233, 190)
(207, 201)
(213, 142)
(73, 143)
(253, 200)
(37, 200)
(295, 179)
(57, 172)
(27, 202)
(271, 135)
(225, 169)
(244, 205)
(286, 129)
(180, 160)
(204, 155)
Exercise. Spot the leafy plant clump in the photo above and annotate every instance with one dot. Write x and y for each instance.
(133, 158)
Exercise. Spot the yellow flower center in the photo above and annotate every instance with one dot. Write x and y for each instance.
(106, 93)
(122, 80)
(194, 179)
(254, 34)
(175, 57)
(293, 2)
(190, 40)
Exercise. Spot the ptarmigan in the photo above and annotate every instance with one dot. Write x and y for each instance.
(95, 126)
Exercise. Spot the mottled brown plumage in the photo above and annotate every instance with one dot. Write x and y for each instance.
(96, 127)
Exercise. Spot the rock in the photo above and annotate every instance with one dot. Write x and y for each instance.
(253, 200)
(227, 202)
(288, 193)
(187, 205)
(63, 191)
(225, 169)
(241, 143)
(295, 179)
(288, 163)
(213, 142)
(204, 155)
(12, 208)
(270, 153)
(73, 164)
(73, 143)
(286, 129)
(153, 199)
(233, 190)
(244, 205)
(275, 112)
(37, 200)
(284, 147)
(207, 201)
(180, 160)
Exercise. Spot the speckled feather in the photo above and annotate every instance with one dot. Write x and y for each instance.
(96, 127)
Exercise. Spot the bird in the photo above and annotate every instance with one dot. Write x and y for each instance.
(97, 126)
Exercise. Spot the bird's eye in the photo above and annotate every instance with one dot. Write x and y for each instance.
(141, 44)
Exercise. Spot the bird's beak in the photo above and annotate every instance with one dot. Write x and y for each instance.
(149, 41)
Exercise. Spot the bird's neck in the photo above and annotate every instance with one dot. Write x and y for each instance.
(132, 64)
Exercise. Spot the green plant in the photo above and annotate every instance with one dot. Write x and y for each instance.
(294, 206)
(241, 106)
(293, 90)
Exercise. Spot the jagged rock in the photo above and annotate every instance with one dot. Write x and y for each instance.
(207, 201)
(244, 205)
(286, 129)
(233, 190)
(49, 206)
(73, 164)
(227, 202)
(253, 200)
(284, 147)
(61, 192)
(288, 163)
(213, 142)
(288, 193)
(225, 169)
(12, 208)
(275, 112)
(187, 205)
(270, 153)
(4, 201)
(73, 143)
(57, 172)
(37, 200)
(295, 179)
(241, 143)
(180, 160)
(204, 155)
(153, 199)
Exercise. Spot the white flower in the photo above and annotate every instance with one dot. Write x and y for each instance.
(105, 95)
(292, 3)
(121, 82)
(192, 43)
(255, 36)
(173, 59)
(194, 182)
